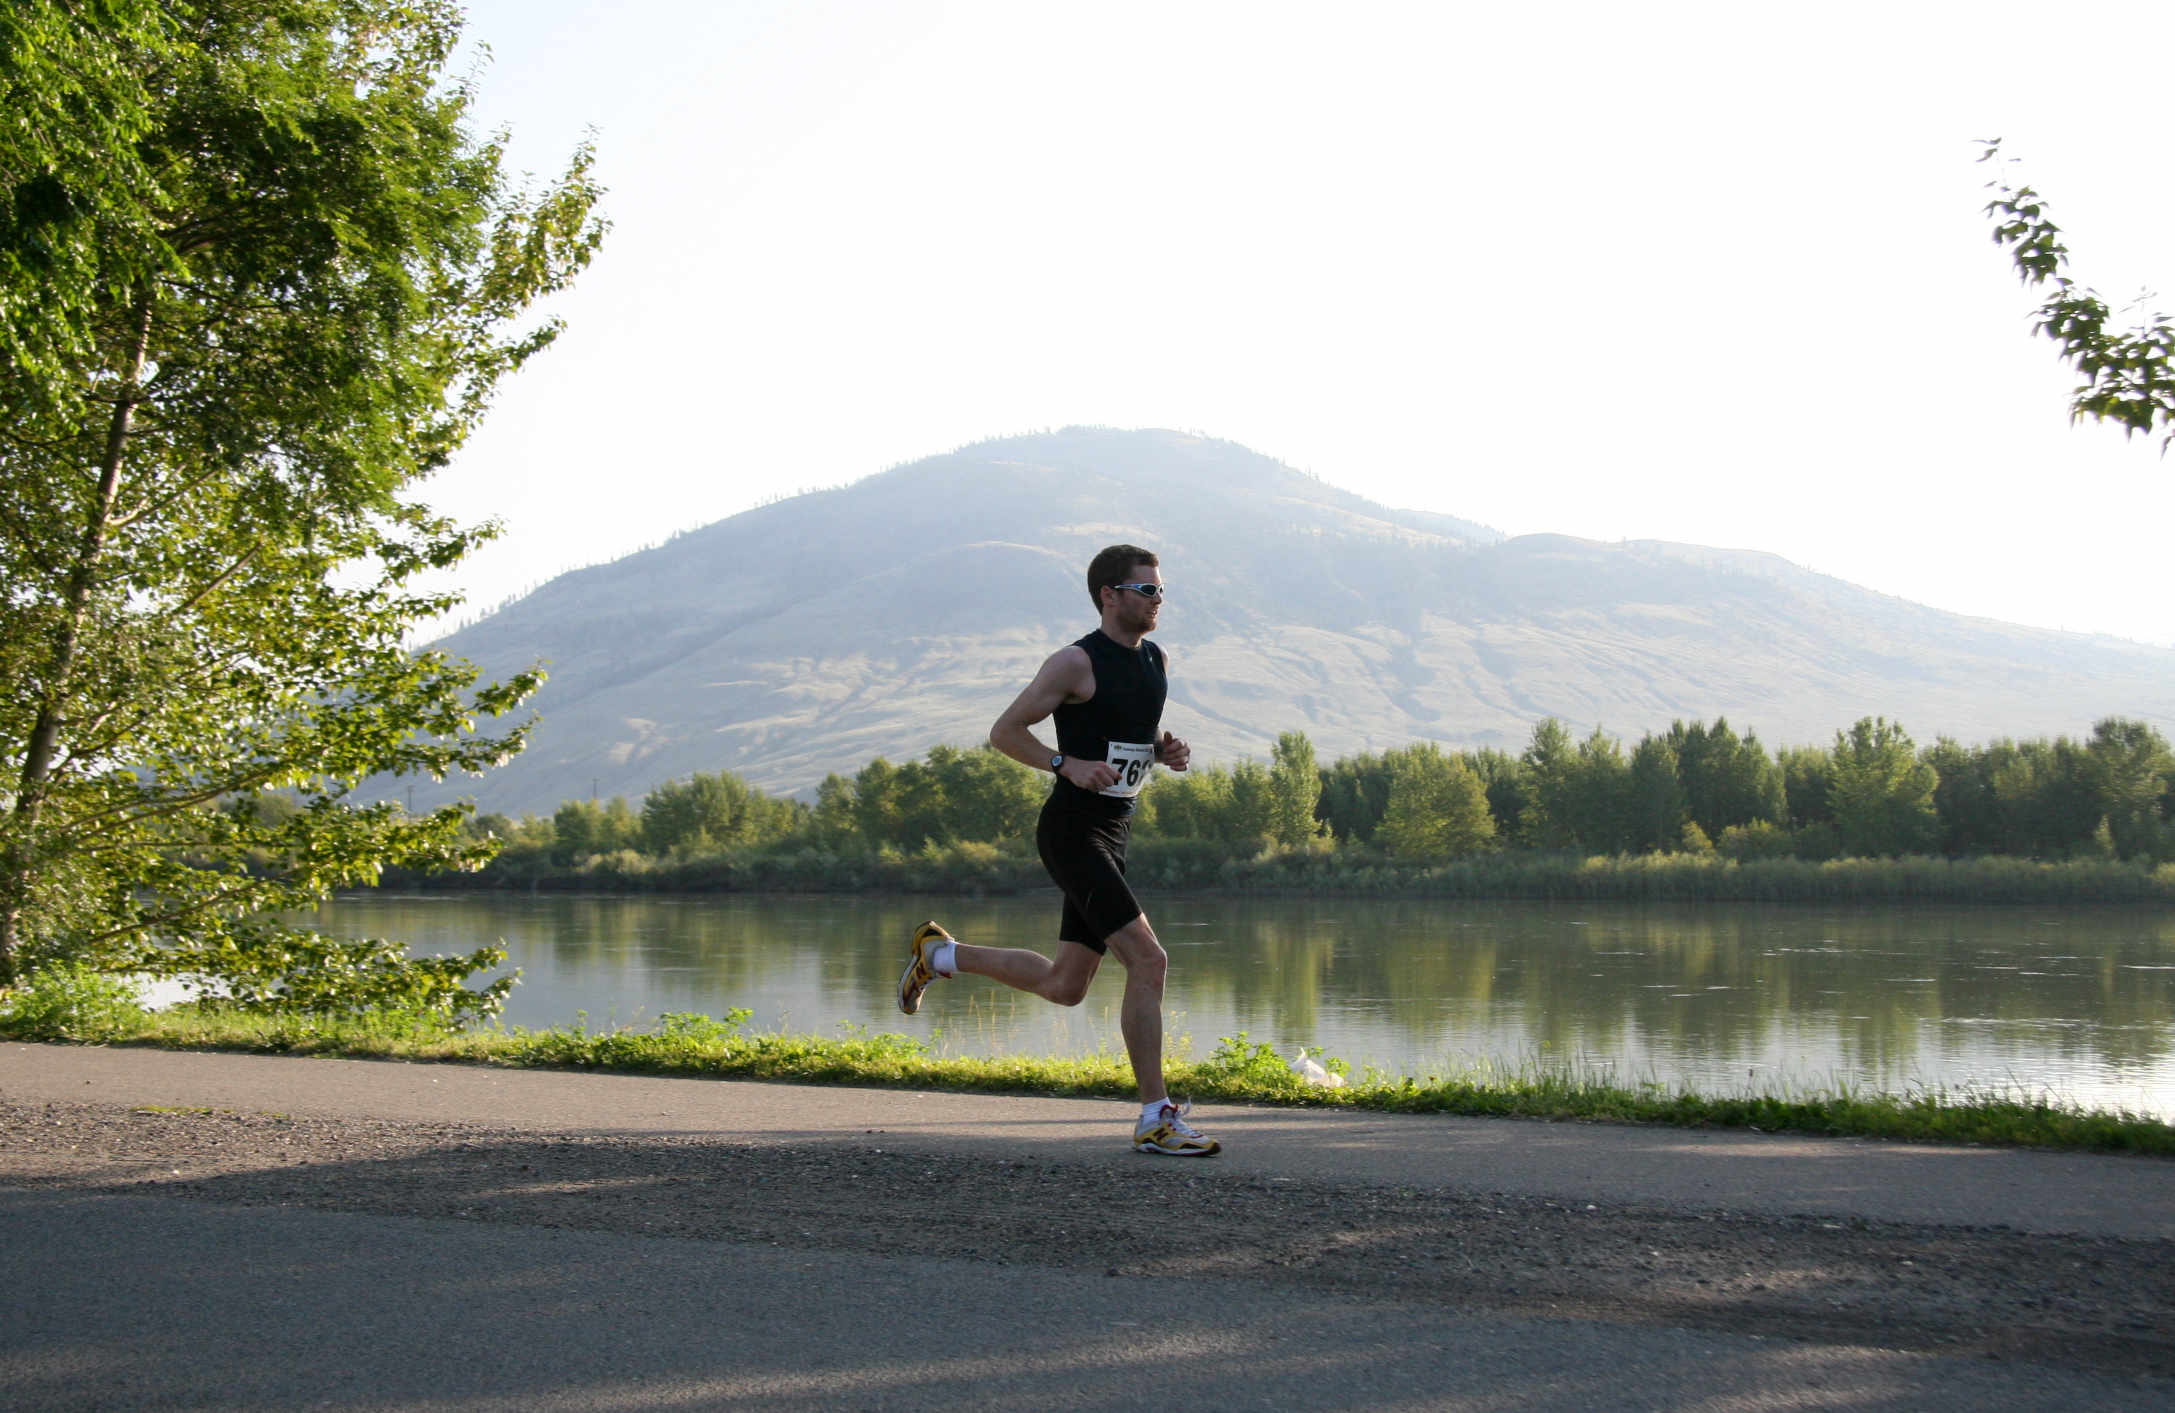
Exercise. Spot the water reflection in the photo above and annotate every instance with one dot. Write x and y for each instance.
(1723, 997)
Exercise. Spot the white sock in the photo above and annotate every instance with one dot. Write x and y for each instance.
(1153, 1112)
(944, 957)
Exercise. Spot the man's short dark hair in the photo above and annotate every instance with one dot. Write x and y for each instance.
(1112, 566)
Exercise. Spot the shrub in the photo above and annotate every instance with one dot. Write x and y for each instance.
(1760, 839)
(72, 1001)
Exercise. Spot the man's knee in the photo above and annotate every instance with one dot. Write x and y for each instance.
(1067, 991)
(1135, 945)
(1067, 983)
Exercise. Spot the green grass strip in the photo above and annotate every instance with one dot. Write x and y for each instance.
(1238, 1072)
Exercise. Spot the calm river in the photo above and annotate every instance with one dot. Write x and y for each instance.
(2073, 1003)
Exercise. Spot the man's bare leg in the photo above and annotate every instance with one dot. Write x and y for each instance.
(1140, 1014)
(1162, 1127)
(1064, 981)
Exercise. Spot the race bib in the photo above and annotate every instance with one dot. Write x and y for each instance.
(1132, 760)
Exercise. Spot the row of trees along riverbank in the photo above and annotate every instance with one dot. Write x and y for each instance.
(1696, 812)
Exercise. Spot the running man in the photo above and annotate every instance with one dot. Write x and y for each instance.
(1106, 691)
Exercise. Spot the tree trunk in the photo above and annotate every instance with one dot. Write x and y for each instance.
(20, 866)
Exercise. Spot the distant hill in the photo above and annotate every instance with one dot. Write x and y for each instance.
(813, 634)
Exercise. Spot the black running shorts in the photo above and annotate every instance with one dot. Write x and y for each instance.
(1083, 846)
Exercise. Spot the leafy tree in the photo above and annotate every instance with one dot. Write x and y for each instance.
(2127, 772)
(2046, 803)
(2129, 378)
(1548, 818)
(705, 812)
(1964, 801)
(834, 818)
(1727, 780)
(75, 183)
(1657, 813)
(1599, 805)
(1438, 807)
(878, 817)
(258, 281)
(1504, 776)
(573, 831)
(1193, 805)
(2037, 810)
(616, 826)
(1882, 792)
(986, 795)
(1355, 793)
(1252, 811)
(1295, 787)
(955, 795)
(1229, 805)
(1808, 779)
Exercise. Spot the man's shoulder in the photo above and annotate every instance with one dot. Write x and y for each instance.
(1071, 658)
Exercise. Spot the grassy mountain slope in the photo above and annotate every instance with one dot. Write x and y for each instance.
(815, 633)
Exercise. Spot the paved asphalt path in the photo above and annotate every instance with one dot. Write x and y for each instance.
(126, 1300)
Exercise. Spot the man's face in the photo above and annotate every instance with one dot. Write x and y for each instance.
(1136, 611)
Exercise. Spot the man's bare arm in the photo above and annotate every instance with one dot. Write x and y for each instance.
(1066, 676)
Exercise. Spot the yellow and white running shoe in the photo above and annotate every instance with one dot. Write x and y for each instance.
(919, 972)
(1171, 1135)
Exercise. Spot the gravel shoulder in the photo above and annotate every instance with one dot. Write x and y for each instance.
(2090, 1302)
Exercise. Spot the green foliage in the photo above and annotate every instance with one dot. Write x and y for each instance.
(952, 795)
(699, 1029)
(582, 829)
(306, 973)
(1438, 809)
(1295, 788)
(71, 1001)
(1744, 843)
(1418, 819)
(1808, 780)
(2129, 377)
(2128, 772)
(1597, 808)
(76, 189)
(1548, 770)
(1239, 1059)
(259, 280)
(1657, 815)
(1355, 795)
(1233, 806)
(1727, 780)
(1882, 792)
(705, 812)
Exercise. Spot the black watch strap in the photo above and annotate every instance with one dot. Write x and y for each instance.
(1057, 764)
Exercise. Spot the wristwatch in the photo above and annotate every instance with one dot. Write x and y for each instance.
(1057, 764)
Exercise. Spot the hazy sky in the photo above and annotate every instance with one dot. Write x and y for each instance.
(1708, 273)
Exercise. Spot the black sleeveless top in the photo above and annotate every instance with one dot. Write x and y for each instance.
(1127, 706)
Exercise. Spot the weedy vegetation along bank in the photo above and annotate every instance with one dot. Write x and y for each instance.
(1318, 871)
(77, 1005)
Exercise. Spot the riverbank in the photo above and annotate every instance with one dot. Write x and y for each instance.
(1192, 866)
(1237, 1071)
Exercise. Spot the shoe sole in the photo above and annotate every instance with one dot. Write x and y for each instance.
(911, 1004)
(1210, 1151)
